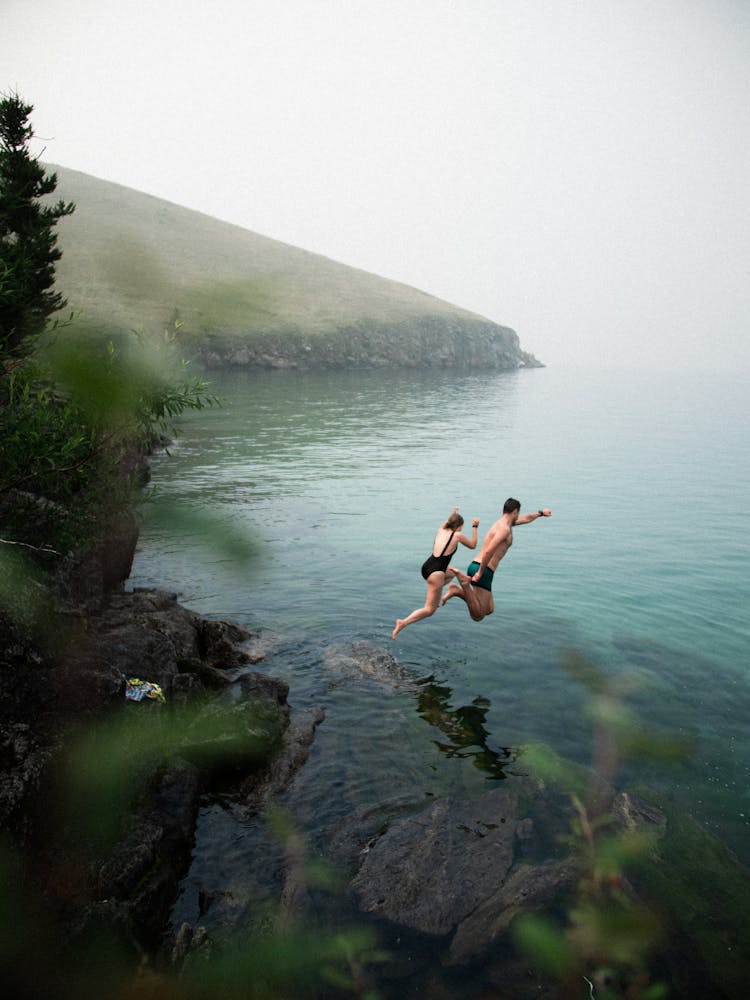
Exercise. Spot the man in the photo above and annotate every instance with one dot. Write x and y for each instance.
(476, 583)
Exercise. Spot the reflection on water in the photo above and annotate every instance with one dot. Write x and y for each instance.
(465, 728)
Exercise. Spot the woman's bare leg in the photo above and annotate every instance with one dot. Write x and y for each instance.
(434, 588)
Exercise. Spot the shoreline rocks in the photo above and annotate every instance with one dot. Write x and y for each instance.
(144, 767)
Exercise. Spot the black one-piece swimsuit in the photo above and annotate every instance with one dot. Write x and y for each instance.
(434, 563)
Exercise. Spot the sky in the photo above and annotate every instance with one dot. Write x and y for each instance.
(574, 169)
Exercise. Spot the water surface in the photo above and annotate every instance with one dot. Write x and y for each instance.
(340, 481)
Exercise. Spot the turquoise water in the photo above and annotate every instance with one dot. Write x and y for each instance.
(340, 481)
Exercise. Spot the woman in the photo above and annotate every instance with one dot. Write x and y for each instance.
(435, 568)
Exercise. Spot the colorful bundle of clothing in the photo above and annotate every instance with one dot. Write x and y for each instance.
(137, 690)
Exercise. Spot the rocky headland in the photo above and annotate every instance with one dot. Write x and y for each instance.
(235, 298)
(461, 342)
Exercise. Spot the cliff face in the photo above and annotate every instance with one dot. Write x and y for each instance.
(132, 261)
(426, 341)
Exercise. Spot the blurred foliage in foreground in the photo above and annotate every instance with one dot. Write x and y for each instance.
(610, 938)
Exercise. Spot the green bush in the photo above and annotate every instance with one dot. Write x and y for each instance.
(74, 424)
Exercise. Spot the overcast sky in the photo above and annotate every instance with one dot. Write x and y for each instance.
(575, 169)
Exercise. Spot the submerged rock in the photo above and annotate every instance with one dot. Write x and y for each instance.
(365, 661)
(462, 871)
(702, 893)
(466, 868)
(527, 887)
(430, 870)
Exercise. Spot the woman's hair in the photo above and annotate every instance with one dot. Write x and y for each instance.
(454, 521)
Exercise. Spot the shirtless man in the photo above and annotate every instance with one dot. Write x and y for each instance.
(476, 583)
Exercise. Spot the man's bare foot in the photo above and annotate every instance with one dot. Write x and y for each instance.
(397, 629)
(462, 578)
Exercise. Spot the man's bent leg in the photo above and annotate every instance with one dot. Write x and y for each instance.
(473, 596)
(452, 591)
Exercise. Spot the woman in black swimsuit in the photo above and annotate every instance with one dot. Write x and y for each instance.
(435, 568)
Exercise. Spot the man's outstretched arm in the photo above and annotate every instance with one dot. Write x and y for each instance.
(528, 518)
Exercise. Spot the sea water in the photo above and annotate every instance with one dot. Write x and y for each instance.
(337, 483)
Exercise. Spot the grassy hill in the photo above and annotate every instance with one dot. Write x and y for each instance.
(134, 261)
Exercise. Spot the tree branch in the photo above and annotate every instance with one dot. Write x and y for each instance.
(45, 549)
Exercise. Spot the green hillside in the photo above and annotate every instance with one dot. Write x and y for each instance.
(134, 261)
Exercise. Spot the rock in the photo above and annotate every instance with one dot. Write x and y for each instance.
(213, 678)
(181, 946)
(128, 885)
(467, 867)
(362, 660)
(234, 736)
(85, 577)
(116, 550)
(262, 686)
(460, 340)
(219, 643)
(527, 887)
(192, 945)
(631, 812)
(144, 869)
(288, 759)
(701, 891)
(151, 618)
(148, 634)
(352, 840)
(23, 758)
(137, 650)
(430, 870)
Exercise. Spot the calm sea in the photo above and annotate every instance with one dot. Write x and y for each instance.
(339, 481)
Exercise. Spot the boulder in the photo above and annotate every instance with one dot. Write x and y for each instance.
(431, 869)
(290, 756)
(24, 758)
(527, 887)
(237, 736)
(365, 661)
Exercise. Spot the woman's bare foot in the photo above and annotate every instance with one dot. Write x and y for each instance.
(397, 629)
(452, 591)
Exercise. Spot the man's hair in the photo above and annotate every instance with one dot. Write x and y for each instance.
(510, 505)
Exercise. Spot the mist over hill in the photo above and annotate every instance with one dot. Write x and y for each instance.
(133, 261)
